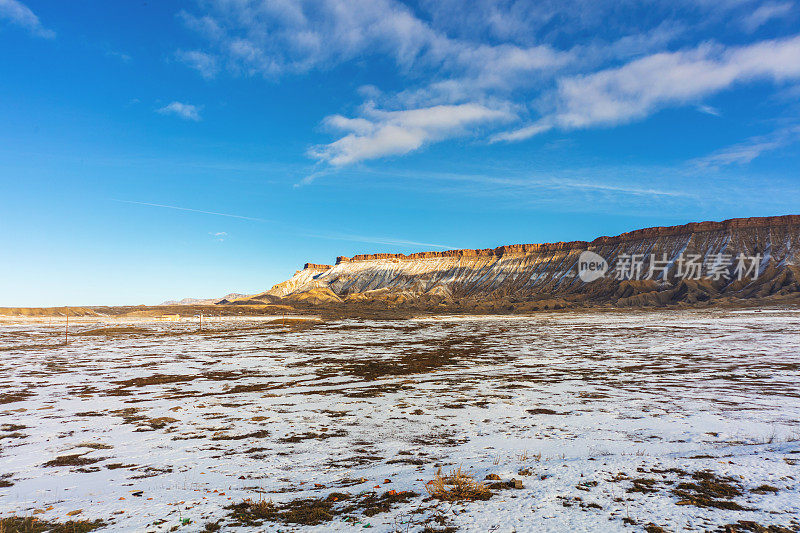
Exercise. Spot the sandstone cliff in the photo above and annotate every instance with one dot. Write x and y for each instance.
(697, 262)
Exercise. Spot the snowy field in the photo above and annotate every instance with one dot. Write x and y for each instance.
(684, 420)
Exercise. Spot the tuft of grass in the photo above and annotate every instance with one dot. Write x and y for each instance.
(527, 456)
(314, 511)
(75, 459)
(764, 489)
(456, 486)
(94, 445)
(709, 490)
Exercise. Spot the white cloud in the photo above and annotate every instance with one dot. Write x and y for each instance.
(764, 13)
(125, 58)
(276, 38)
(644, 86)
(202, 62)
(382, 133)
(184, 111)
(522, 133)
(507, 55)
(19, 14)
(637, 89)
(709, 110)
(219, 236)
(745, 152)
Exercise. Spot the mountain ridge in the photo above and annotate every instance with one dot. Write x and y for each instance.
(205, 301)
(531, 276)
(655, 231)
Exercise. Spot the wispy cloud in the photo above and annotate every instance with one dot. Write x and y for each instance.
(376, 240)
(178, 208)
(453, 75)
(179, 109)
(205, 64)
(20, 15)
(638, 89)
(219, 236)
(521, 134)
(709, 110)
(745, 152)
(764, 13)
(637, 189)
(125, 58)
(562, 182)
(276, 38)
(511, 60)
(292, 228)
(380, 133)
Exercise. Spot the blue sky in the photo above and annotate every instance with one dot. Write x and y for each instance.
(152, 150)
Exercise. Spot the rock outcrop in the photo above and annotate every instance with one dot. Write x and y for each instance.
(737, 259)
(206, 301)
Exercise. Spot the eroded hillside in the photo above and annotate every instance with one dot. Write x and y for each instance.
(745, 259)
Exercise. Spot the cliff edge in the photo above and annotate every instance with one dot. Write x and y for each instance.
(741, 259)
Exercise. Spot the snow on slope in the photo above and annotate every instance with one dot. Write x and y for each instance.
(551, 269)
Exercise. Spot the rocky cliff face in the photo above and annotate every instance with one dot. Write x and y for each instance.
(734, 259)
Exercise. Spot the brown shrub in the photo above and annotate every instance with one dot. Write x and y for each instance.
(456, 486)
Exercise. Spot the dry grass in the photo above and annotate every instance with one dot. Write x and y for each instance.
(526, 456)
(456, 486)
(75, 459)
(14, 524)
(314, 511)
(709, 490)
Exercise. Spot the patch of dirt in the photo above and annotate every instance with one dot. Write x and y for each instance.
(76, 459)
(16, 396)
(428, 356)
(313, 511)
(89, 413)
(754, 527)
(709, 490)
(310, 435)
(156, 379)
(150, 471)
(765, 489)
(260, 434)
(643, 485)
(94, 445)
(544, 411)
(15, 524)
(114, 331)
(131, 415)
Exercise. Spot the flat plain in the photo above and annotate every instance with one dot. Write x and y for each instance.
(582, 421)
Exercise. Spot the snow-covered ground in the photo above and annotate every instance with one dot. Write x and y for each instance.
(605, 413)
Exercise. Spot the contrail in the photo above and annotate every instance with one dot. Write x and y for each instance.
(333, 237)
(378, 240)
(256, 219)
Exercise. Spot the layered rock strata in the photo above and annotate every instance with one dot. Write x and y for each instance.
(741, 258)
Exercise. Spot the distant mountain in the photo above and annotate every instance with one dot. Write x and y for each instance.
(206, 301)
(735, 260)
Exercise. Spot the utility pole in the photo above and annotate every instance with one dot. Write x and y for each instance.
(66, 329)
